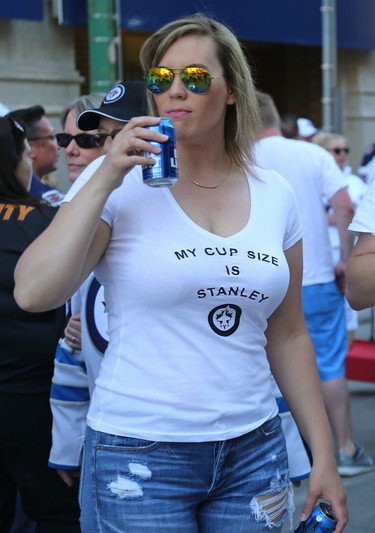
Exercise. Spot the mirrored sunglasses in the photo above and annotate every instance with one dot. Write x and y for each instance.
(195, 79)
(338, 151)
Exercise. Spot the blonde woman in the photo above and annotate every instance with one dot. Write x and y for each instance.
(202, 285)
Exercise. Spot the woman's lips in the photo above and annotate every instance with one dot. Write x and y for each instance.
(178, 112)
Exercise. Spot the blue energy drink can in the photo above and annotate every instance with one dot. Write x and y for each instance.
(321, 520)
(164, 172)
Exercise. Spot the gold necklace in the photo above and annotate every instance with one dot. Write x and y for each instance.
(212, 186)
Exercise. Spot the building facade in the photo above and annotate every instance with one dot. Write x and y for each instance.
(44, 54)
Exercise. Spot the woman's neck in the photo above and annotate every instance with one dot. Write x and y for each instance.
(199, 162)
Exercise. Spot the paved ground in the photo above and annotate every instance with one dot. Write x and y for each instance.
(360, 489)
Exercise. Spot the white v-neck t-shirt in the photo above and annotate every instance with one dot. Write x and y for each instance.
(187, 311)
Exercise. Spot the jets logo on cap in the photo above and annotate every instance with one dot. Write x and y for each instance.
(114, 94)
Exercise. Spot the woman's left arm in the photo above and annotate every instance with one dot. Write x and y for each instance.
(360, 279)
(293, 364)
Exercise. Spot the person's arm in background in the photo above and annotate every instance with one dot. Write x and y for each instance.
(360, 290)
(343, 213)
(70, 396)
(69, 400)
(360, 273)
(292, 360)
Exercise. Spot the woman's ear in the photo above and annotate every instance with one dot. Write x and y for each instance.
(231, 99)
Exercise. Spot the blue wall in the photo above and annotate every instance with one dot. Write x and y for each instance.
(22, 9)
(279, 21)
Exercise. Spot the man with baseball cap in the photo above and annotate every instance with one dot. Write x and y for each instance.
(306, 129)
(77, 361)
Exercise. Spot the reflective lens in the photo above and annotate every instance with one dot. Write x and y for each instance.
(84, 140)
(195, 79)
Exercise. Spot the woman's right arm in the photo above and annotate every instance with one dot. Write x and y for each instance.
(57, 262)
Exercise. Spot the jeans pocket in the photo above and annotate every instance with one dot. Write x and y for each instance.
(117, 443)
(270, 428)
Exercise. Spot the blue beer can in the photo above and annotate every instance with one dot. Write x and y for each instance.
(321, 520)
(164, 172)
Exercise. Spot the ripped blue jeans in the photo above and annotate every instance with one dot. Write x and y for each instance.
(239, 485)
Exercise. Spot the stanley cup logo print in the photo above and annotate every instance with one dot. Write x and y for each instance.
(225, 319)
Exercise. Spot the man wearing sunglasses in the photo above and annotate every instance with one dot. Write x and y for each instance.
(44, 150)
(87, 135)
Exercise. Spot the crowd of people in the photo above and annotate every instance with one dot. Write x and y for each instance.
(159, 344)
(318, 183)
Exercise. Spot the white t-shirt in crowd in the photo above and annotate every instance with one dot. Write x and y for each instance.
(357, 189)
(187, 311)
(364, 218)
(368, 171)
(315, 178)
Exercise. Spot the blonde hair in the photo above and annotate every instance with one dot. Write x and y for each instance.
(322, 138)
(87, 101)
(241, 121)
